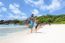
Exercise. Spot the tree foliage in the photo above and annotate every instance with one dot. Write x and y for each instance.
(60, 19)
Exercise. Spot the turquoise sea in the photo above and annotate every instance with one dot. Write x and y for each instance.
(11, 28)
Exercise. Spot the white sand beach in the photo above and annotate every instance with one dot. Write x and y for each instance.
(54, 33)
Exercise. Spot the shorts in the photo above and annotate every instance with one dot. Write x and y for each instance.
(31, 26)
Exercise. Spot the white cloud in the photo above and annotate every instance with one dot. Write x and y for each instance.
(55, 4)
(14, 9)
(18, 14)
(4, 9)
(24, 17)
(35, 12)
(34, 3)
(16, 5)
(0, 15)
(15, 13)
(1, 4)
(12, 17)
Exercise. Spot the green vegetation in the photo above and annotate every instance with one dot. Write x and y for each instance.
(20, 22)
(55, 19)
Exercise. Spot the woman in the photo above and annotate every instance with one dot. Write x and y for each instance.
(31, 22)
(31, 25)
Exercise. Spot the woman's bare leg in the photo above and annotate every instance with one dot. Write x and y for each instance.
(31, 30)
(36, 29)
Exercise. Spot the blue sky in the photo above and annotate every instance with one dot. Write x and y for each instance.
(22, 9)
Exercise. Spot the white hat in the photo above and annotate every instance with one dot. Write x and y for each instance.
(33, 12)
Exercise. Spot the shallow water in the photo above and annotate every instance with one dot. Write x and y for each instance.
(7, 29)
(11, 28)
